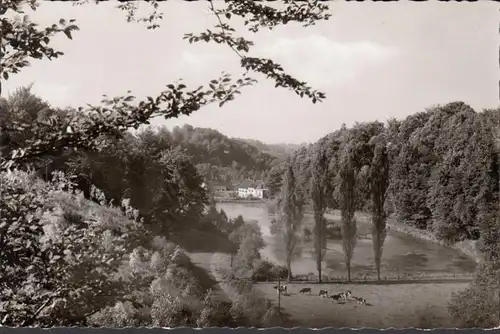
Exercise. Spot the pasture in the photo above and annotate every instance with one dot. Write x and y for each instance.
(398, 305)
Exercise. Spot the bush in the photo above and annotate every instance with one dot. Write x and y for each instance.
(119, 316)
(215, 313)
(267, 271)
(477, 306)
(334, 232)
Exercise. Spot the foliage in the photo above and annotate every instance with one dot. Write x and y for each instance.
(289, 219)
(347, 199)
(160, 181)
(249, 241)
(264, 271)
(379, 182)
(478, 305)
(274, 180)
(60, 254)
(320, 190)
(120, 113)
(217, 157)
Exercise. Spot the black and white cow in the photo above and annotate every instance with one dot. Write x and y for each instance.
(281, 289)
(360, 300)
(323, 293)
(304, 290)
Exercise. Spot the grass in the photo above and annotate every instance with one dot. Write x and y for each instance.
(398, 306)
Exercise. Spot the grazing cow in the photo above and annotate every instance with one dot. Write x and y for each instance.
(281, 289)
(346, 295)
(323, 293)
(360, 300)
(304, 290)
(338, 296)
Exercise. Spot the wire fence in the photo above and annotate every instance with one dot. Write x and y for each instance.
(387, 278)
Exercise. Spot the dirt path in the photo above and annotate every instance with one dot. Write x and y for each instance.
(204, 262)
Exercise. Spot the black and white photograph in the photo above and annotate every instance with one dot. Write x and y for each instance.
(239, 163)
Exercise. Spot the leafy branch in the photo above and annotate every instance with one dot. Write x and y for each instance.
(264, 16)
(86, 127)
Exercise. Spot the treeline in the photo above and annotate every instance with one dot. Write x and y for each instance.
(443, 174)
(280, 151)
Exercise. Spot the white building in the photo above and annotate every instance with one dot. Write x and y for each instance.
(252, 189)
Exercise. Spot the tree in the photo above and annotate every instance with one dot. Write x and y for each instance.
(319, 192)
(290, 218)
(347, 199)
(379, 181)
(120, 114)
(275, 179)
(248, 241)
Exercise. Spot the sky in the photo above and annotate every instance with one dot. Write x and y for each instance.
(373, 60)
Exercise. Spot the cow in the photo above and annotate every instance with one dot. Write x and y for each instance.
(281, 289)
(323, 293)
(337, 297)
(360, 300)
(304, 290)
(346, 295)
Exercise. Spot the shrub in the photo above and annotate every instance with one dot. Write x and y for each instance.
(267, 271)
(215, 313)
(72, 249)
(477, 306)
(119, 316)
(334, 232)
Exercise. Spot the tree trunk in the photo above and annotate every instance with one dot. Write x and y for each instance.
(232, 257)
(289, 269)
(348, 271)
(319, 274)
(378, 273)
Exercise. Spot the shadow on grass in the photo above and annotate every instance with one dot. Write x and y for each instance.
(206, 281)
(286, 319)
(195, 241)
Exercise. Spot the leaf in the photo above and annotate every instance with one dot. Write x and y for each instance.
(68, 33)
(5, 75)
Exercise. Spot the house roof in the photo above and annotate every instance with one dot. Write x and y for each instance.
(252, 184)
(247, 184)
(221, 184)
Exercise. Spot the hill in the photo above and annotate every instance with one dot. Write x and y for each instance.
(280, 150)
(221, 158)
